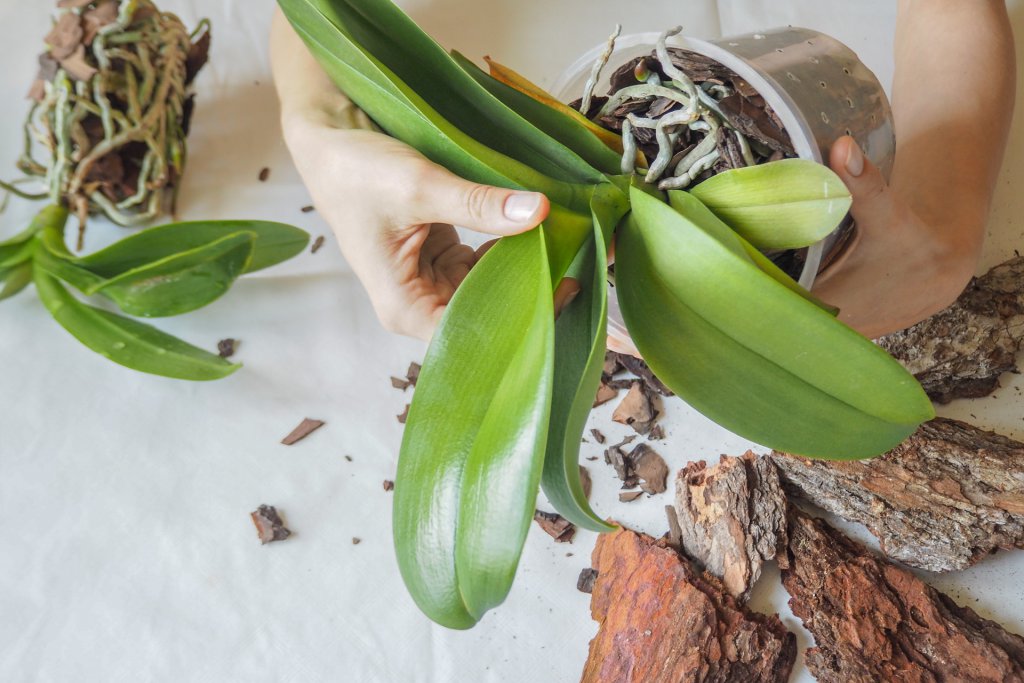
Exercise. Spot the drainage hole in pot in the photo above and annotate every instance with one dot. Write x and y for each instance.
(792, 76)
(815, 60)
(823, 84)
(734, 44)
(810, 42)
(846, 71)
(872, 118)
(778, 49)
(849, 101)
(824, 117)
(849, 133)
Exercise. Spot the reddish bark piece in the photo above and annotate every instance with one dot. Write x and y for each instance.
(389, 485)
(732, 518)
(874, 621)
(605, 393)
(961, 351)
(398, 383)
(305, 428)
(942, 500)
(629, 496)
(95, 18)
(650, 469)
(556, 526)
(317, 243)
(66, 36)
(76, 65)
(269, 526)
(404, 416)
(660, 620)
(413, 373)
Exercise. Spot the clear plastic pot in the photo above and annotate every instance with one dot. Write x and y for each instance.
(817, 86)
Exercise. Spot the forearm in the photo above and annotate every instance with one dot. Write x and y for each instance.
(953, 96)
(305, 91)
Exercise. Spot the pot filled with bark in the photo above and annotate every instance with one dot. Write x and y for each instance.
(782, 93)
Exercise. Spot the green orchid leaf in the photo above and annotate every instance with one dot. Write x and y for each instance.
(13, 254)
(386, 32)
(580, 338)
(744, 350)
(784, 204)
(762, 261)
(473, 447)
(273, 244)
(127, 342)
(404, 114)
(15, 279)
(182, 282)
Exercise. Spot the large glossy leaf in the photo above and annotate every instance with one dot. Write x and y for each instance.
(183, 282)
(580, 338)
(387, 33)
(127, 342)
(747, 352)
(273, 244)
(405, 115)
(785, 204)
(472, 451)
(516, 81)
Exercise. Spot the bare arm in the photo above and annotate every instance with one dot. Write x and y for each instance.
(920, 237)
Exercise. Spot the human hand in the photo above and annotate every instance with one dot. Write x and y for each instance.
(901, 266)
(392, 211)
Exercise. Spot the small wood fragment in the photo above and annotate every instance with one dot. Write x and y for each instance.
(308, 208)
(874, 621)
(636, 409)
(674, 537)
(389, 485)
(305, 428)
(942, 500)
(555, 525)
(661, 621)
(356, 541)
(629, 496)
(317, 243)
(650, 468)
(585, 582)
(644, 372)
(732, 518)
(585, 481)
(413, 373)
(398, 383)
(598, 436)
(404, 415)
(961, 351)
(264, 174)
(605, 393)
(269, 526)
(227, 347)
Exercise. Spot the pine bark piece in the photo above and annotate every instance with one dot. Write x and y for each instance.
(942, 500)
(732, 518)
(961, 352)
(660, 620)
(269, 525)
(874, 621)
(637, 409)
(555, 525)
(304, 429)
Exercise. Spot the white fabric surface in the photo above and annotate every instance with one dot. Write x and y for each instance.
(128, 553)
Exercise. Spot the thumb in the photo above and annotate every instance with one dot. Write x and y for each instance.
(446, 198)
(866, 184)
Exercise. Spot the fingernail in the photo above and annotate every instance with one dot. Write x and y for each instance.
(521, 206)
(854, 159)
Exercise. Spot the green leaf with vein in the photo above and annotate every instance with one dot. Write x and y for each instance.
(786, 204)
(182, 282)
(472, 452)
(129, 343)
(386, 32)
(580, 338)
(405, 115)
(740, 348)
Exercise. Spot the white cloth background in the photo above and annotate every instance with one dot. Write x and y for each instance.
(127, 553)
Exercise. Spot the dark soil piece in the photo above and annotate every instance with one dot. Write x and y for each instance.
(598, 436)
(961, 352)
(305, 428)
(629, 496)
(196, 59)
(556, 526)
(660, 620)
(389, 485)
(269, 525)
(942, 500)
(605, 393)
(874, 621)
(308, 208)
(317, 243)
(264, 174)
(585, 583)
(636, 409)
(404, 416)
(732, 518)
(227, 347)
(348, 458)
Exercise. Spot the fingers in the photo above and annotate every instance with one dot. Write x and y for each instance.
(871, 197)
(439, 196)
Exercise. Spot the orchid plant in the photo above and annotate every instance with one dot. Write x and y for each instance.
(506, 388)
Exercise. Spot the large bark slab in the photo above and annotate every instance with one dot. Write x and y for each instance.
(941, 500)
(961, 352)
(660, 620)
(873, 621)
(732, 518)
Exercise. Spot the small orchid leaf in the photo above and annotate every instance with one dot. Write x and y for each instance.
(784, 204)
(744, 350)
(15, 279)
